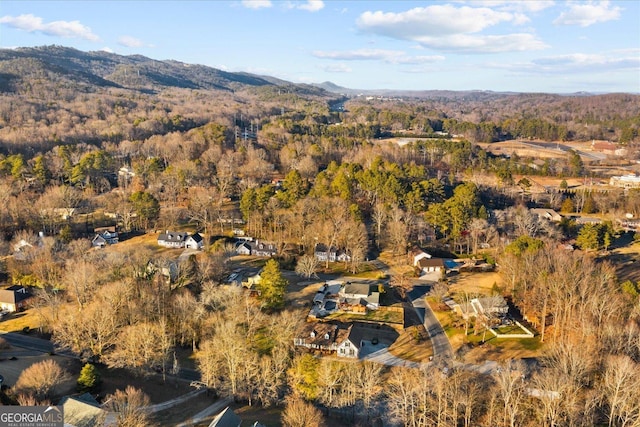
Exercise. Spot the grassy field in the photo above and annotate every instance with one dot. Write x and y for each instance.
(392, 317)
(626, 259)
(16, 322)
(413, 344)
(492, 349)
(475, 283)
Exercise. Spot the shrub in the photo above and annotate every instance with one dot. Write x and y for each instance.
(89, 379)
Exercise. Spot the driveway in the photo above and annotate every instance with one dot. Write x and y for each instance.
(384, 357)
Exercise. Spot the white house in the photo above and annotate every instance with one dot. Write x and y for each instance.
(331, 254)
(243, 248)
(14, 298)
(105, 236)
(418, 254)
(179, 239)
(172, 239)
(194, 241)
(359, 294)
(349, 347)
(430, 265)
(363, 336)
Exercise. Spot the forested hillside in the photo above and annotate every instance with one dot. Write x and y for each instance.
(93, 139)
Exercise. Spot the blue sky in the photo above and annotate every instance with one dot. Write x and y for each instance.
(524, 46)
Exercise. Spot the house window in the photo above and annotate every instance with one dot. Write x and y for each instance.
(352, 352)
(326, 336)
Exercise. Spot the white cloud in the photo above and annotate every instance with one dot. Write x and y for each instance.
(450, 28)
(129, 41)
(588, 14)
(32, 24)
(576, 63)
(587, 62)
(388, 56)
(337, 68)
(256, 4)
(519, 42)
(107, 49)
(309, 5)
(516, 5)
(312, 5)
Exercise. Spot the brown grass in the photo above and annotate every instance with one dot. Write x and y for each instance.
(16, 322)
(413, 344)
(475, 283)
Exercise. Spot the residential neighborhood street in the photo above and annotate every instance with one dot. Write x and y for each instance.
(442, 350)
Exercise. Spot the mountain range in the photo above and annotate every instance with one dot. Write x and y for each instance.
(105, 69)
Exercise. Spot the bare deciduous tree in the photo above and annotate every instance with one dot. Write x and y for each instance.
(129, 407)
(306, 266)
(299, 413)
(41, 379)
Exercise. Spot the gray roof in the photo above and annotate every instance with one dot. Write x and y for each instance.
(226, 418)
(83, 411)
(173, 236)
(357, 289)
(14, 294)
(197, 237)
(384, 334)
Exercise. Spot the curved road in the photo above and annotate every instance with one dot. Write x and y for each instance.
(442, 350)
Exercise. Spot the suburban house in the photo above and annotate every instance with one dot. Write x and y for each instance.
(243, 248)
(14, 298)
(24, 248)
(358, 297)
(431, 265)
(172, 239)
(264, 249)
(609, 148)
(105, 236)
(548, 214)
(495, 306)
(625, 181)
(178, 239)
(416, 254)
(322, 337)
(331, 254)
(256, 248)
(253, 280)
(344, 340)
(582, 220)
(82, 411)
(365, 336)
(194, 241)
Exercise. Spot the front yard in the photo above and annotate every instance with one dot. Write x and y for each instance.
(395, 317)
(471, 348)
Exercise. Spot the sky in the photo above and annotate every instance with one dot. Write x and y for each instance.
(498, 45)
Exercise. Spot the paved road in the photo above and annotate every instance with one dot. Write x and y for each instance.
(28, 342)
(34, 345)
(441, 347)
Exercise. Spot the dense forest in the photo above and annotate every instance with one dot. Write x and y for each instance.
(149, 145)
